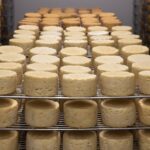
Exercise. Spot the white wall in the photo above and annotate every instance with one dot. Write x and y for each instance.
(123, 8)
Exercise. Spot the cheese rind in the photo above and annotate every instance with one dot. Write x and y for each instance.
(117, 83)
(112, 140)
(8, 82)
(144, 139)
(80, 113)
(79, 140)
(37, 140)
(114, 110)
(41, 113)
(8, 140)
(79, 85)
(8, 112)
(40, 83)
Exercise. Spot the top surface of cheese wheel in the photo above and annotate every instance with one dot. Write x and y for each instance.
(121, 28)
(73, 51)
(132, 49)
(33, 14)
(145, 73)
(112, 67)
(108, 59)
(105, 50)
(104, 14)
(83, 76)
(12, 57)
(101, 37)
(52, 28)
(130, 41)
(130, 36)
(24, 32)
(4, 135)
(75, 69)
(76, 60)
(141, 66)
(40, 74)
(24, 36)
(41, 67)
(21, 41)
(97, 28)
(44, 59)
(115, 33)
(52, 33)
(46, 104)
(7, 73)
(117, 74)
(76, 28)
(11, 49)
(29, 27)
(43, 51)
(92, 33)
(10, 66)
(115, 134)
(47, 41)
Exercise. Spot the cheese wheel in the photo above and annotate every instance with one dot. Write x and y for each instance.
(76, 43)
(28, 32)
(48, 59)
(53, 28)
(117, 83)
(11, 49)
(138, 58)
(50, 37)
(79, 140)
(24, 37)
(97, 28)
(111, 68)
(108, 60)
(97, 42)
(8, 112)
(126, 51)
(32, 14)
(51, 33)
(72, 51)
(130, 36)
(76, 28)
(40, 83)
(73, 33)
(118, 109)
(8, 80)
(8, 140)
(122, 28)
(99, 38)
(76, 61)
(48, 43)
(76, 37)
(144, 83)
(42, 51)
(49, 116)
(104, 50)
(30, 28)
(80, 113)
(79, 85)
(116, 140)
(37, 140)
(13, 67)
(97, 33)
(125, 42)
(42, 67)
(144, 139)
(143, 107)
(25, 44)
(137, 68)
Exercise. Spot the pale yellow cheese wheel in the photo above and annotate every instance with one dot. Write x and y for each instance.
(49, 116)
(104, 50)
(143, 107)
(50, 37)
(8, 112)
(48, 59)
(51, 33)
(76, 28)
(40, 83)
(79, 85)
(144, 82)
(118, 109)
(42, 67)
(9, 140)
(77, 140)
(122, 28)
(37, 140)
(72, 51)
(24, 37)
(112, 140)
(53, 28)
(117, 83)
(28, 32)
(80, 113)
(144, 139)
(97, 28)
(8, 80)
(76, 60)
(11, 49)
